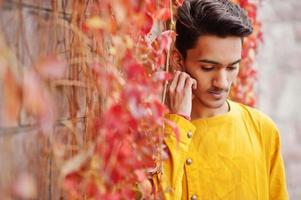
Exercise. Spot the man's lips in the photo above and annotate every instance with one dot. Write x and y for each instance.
(216, 94)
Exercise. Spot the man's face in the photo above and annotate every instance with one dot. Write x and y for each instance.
(214, 63)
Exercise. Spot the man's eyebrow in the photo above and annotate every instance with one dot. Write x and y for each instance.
(236, 62)
(217, 63)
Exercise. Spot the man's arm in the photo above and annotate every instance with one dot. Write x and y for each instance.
(277, 181)
(180, 95)
(169, 181)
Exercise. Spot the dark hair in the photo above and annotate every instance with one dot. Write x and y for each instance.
(221, 18)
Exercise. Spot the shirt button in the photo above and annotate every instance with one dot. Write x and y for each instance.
(194, 197)
(189, 161)
(189, 134)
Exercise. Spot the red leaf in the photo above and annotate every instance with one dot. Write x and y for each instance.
(147, 24)
(92, 189)
(166, 39)
(72, 181)
(163, 14)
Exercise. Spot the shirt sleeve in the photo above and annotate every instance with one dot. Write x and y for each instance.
(170, 179)
(277, 181)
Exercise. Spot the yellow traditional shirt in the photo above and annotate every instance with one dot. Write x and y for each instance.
(233, 156)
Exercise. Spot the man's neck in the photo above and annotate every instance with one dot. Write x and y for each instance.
(199, 110)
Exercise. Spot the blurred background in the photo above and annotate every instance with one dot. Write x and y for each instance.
(279, 80)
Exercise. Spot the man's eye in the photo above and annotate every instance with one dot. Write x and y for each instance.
(231, 68)
(207, 69)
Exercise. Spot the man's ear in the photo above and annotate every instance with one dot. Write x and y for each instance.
(176, 61)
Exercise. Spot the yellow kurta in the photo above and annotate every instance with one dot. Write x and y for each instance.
(231, 156)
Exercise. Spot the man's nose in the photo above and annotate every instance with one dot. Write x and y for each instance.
(220, 79)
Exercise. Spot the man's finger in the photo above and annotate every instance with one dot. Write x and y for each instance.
(181, 82)
(191, 83)
(174, 81)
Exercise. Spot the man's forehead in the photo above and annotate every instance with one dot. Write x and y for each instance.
(222, 50)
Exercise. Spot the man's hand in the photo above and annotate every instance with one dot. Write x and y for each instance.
(180, 93)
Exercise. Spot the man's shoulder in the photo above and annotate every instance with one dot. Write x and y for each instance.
(254, 116)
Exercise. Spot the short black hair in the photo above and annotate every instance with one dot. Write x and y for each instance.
(221, 18)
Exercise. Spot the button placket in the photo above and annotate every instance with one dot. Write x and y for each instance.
(188, 163)
(190, 169)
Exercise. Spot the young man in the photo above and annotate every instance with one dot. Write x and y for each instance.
(226, 150)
